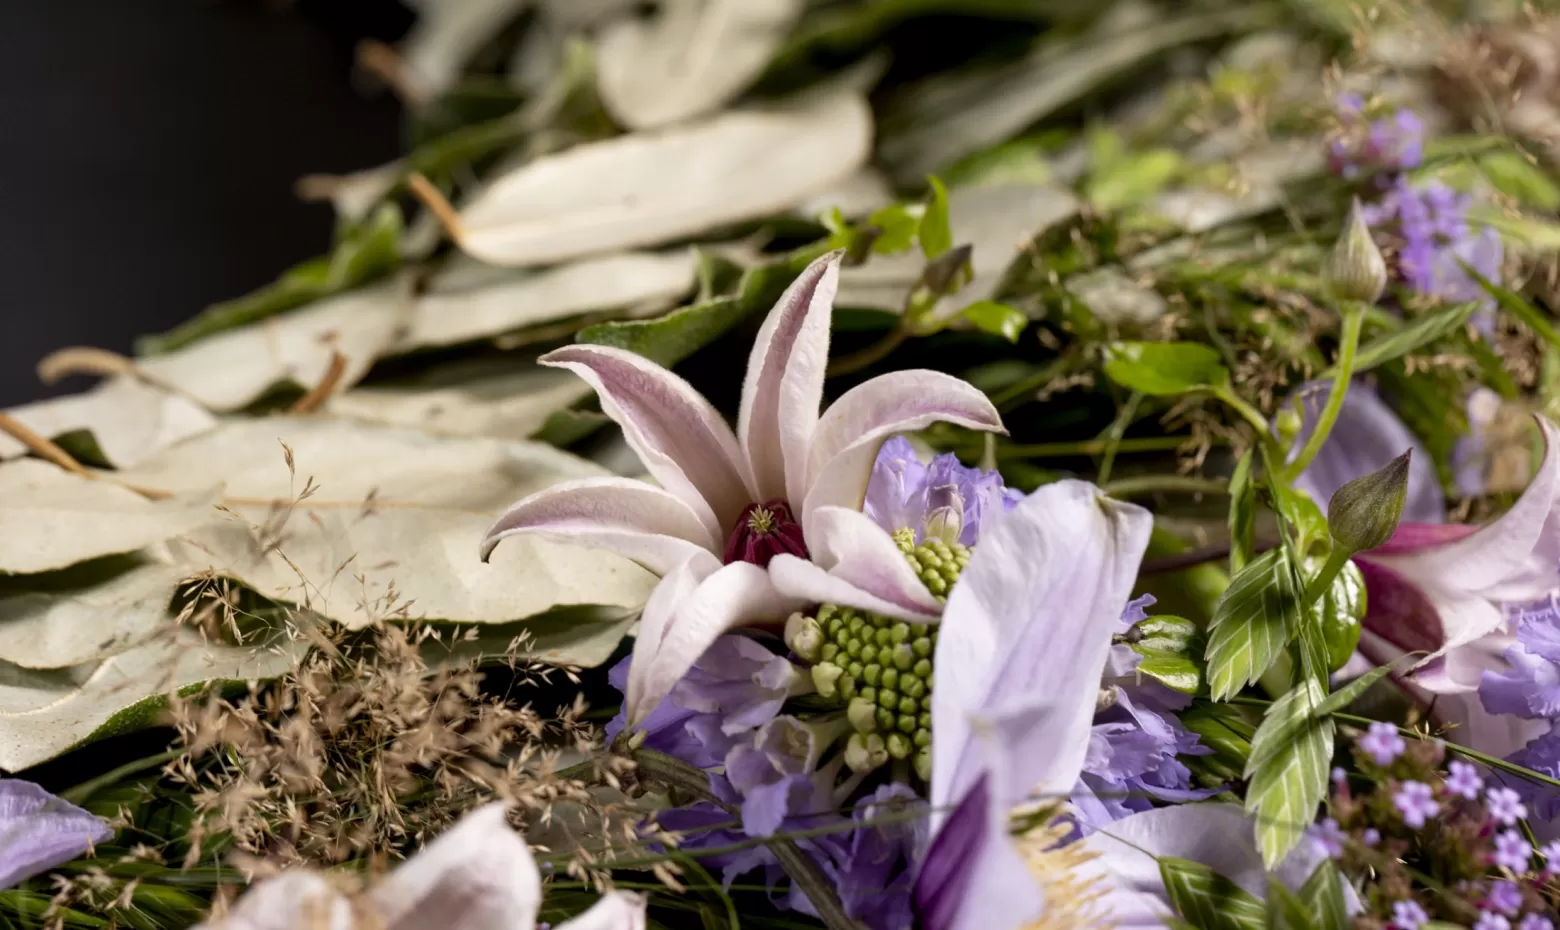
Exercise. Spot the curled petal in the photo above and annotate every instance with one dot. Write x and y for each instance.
(784, 386)
(635, 520)
(1366, 436)
(1035, 607)
(974, 877)
(478, 875)
(39, 831)
(298, 898)
(807, 582)
(679, 436)
(845, 444)
(617, 910)
(688, 618)
(855, 559)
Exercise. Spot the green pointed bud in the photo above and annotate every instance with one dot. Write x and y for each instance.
(1288, 422)
(1356, 270)
(826, 678)
(899, 746)
(1364, 513)
(862, 715)
(804, 636)
(865, 752)
(923, 763)
(945, 514)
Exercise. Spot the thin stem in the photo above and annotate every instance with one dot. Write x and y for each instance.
(876, 352)
(1152, 484)
(1353, 318)
(1113, 437)
(1032, 383)
(1247, 412)
(1090, 447)
(84, 791)
(1336, 560)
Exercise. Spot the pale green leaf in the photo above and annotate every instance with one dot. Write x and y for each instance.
(1285, 911)
(1290, 760)
(1252, 622)
(934, 232)
(1324, 897)
(1164, 369)
(1208, 900)
(1243, 513)
(995, 318)
(1418, 334)
(1171, 648)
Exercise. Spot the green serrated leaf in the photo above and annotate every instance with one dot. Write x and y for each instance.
(899, 224)
(934, 232)
(1171, 648)
(1285, 911)
(998, 319)
(1165, 369)
(1288, 770)
(1422, 332)
(1324, 898)
(1252, 622)
(1285, 717)
(1224, 729)
(1243, 513)
(1208, 900)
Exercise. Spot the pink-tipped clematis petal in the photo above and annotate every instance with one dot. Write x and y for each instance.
(294, 899)
(634, 519)
(1033, 611)
(855, 563)
(678, 627)
(39, 831)
(845, 444)
(784, 386)
(678, 434)
(616, 910)
(478, 875)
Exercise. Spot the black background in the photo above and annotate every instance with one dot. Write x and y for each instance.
(149, 153)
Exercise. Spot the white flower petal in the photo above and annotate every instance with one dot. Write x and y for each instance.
(784, 386)
(847, 547)
(295, 899)
(678, 434)
(810, 584)
(478, 875)
(617, 910)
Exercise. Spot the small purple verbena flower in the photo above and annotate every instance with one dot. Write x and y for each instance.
(1340, 777)
(1504, 897)
(1463, 779)
(1329, 838)
(900, 493)
(1489, 920)
(1512, 851)
(1382, 743)
(1505, 806)
(1416, 802)
(1371, 836)
(1394, 143)
(1551, 853)
(1408, 915)
(1536, 922)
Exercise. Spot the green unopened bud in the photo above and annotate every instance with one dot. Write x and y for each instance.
(1364, 513)
(865, 752)
(899, 746)
(862, 715)
(945, 514)
(923, 763)
(804, 636)
(1356, 270)
(826, 678)
(1288, 422)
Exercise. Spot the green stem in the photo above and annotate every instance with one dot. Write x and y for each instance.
(1114, 436)
(1336, 560)
(1353, 319)
(80, 794)
(1151, 484)
(1247, 412)
(1032, 383)
(873, 353)
(1090, 447)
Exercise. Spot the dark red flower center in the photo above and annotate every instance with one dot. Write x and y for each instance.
(764, 531)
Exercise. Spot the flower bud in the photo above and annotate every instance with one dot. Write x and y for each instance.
(923, 763)
(944, 515)
(826, 678)
(863, 753)
(1356, 270)
(1364, 513)
(804, 636)
(899, 746)
(862, 715)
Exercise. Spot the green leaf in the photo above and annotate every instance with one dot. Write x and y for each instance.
(1164, 369)
(1324, 898)
(363, 252)
(1518, 306)
(899, 222)
(1208, 900)
(1299, 514)
(1133, 180)
(1285, 911)
(1252, 622)
(1288, 770)
(1171, 648)
(995, 318)
(1422, 332)
(1020, 161)
(1243, 513)
(1285, 718)
(1513, 174)
(1351, 692)
(1339, 613)
(1224, 729)
(935, 234)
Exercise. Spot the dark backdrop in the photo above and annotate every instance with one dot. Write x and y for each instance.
(148, 156)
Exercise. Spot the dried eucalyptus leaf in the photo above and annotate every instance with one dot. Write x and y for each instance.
(447, 34)
(44, 714)
(234, 368)
(51, 519)
(649, 188)
(855, 196)
(498, 398)
(450, 313)
(690, 59)
(86, 613)
(128, 419)
(998, 220)
(393, 527)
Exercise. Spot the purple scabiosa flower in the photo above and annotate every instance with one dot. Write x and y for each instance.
(1535, 922)
(1491, 921)
(1408, 915)
(1463, 780)
(39, 831)
(876, 862)
(1542, 755)
(1382, 743)
(737, 686)
(1504, 897)
(905, 494)
(707, 826)
(1416, 802)
(1512, 851)
(1329, 838)
(774, 777)
(1530, 686)
(1505, 806)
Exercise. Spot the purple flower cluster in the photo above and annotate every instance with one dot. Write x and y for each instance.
(1435, 240)
(904, 493)
(1530, 688)
(1394, 143)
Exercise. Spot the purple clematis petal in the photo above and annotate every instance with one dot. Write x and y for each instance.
(39, 831)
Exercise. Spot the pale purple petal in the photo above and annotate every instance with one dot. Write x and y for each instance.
(678, 434)
(1366, 436)
(674, 588)
(784, 386)
(687, 625)
(1410, 538)
(896, 490)
(846, 442)
(615, 910)
(634, 519)
(477, 875)
(974, 877)
(807, 582)
(1036, 605)
(39, 831)
(847, 546)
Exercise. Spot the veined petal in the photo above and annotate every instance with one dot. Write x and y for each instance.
(784, 386)
(678, 434)
(634, 519)
(675, 587)
(689, 620)
(1035, 607)
(974, 877)
(478, 875)
(616, 910)
(848, 547)
(845, 444)
(39, 831)
(1524, 541)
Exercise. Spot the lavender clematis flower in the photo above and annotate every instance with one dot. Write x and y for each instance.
(1026, 635)
(786, 486)
(903, 492)
(39, 831)
(479, 875)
